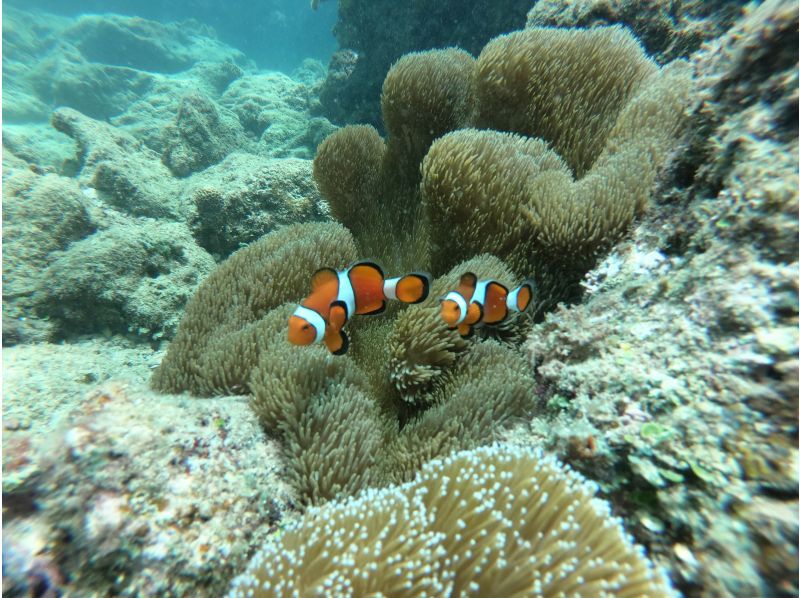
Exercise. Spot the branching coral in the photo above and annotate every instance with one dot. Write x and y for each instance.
(495, 521)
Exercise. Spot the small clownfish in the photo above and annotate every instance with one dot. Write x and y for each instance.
(337, 295)
(482, 302)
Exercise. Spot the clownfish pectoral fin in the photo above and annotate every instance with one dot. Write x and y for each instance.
(495, 309)
(465, 330)
(337, 342)
(413, 288)
(323, 276)
(367, 280)
(337, 317)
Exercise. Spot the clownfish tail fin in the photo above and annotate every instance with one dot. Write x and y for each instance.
(520, 298)
(411, 288)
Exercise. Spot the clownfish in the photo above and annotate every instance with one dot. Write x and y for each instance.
(337, 295)
(482, 302)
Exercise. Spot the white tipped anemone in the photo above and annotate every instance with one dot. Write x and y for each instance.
(524, 524)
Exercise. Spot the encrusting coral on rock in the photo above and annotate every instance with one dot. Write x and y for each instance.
(495, 521)
(674, 383)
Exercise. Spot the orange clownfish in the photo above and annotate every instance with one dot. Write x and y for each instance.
(482, 302)
(337, 295)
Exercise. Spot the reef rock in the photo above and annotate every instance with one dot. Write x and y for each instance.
(128, 175)
(132, 278)
(247, 196)
(201, 135)
(276, 110)
(674, 383)
(135, 494)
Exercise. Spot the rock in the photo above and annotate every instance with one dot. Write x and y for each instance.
(41, 214)
(666, 34)
(146, 45)
(202, 134)
(42, 146)
(64, 77)
(276, 110)
(130, 278)
(156, 495)
(129, 175)
(247, 196)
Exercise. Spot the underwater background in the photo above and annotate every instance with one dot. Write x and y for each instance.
(175, 173)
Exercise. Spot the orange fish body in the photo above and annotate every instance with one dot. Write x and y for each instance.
(337, 295)
(482, 302)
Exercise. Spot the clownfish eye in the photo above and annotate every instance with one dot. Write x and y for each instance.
(305, 327)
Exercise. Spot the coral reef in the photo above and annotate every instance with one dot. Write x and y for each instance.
(219, 338)
(669, 377)
(109, 488)
(247, 196)
(142, 143)
(116, 164)
(41, 215)
(604, 118)
(200, 136)
(674, 383)
(276, 111)
(126, 278)
(339, 418)
(424, 378)
(668, 32)
(495, 521)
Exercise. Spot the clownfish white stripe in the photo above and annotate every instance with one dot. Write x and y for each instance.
(479, 296)
(390, 287)
(346, 293)
(512, 302)
(459, 300)
(313, 318)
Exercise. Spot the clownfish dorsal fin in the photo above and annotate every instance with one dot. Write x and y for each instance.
(337, 317)
(466, 285)
(337, 342)
(468, 279)
(323, 276)
(370, 264)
